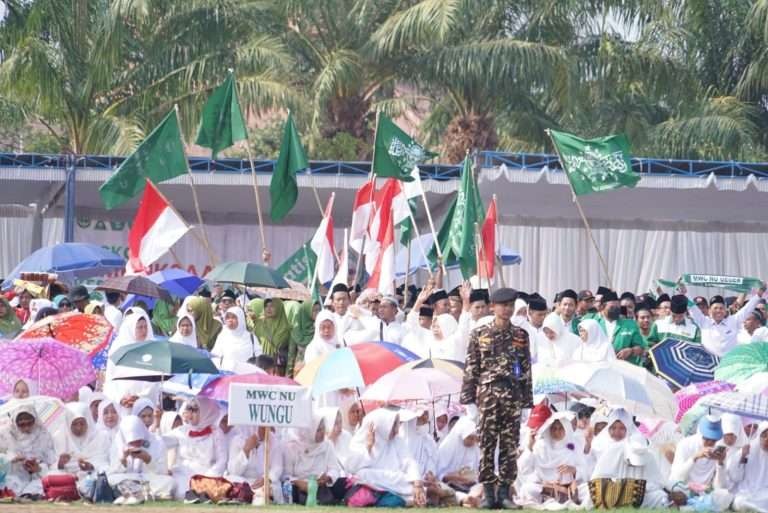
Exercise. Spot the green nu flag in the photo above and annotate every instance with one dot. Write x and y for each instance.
(594, 165)
(457, 235)
(159, 157)
(734, 283)
(222, 123)
(283, 189)
(395, 152)
(407, 230)
(299, 266)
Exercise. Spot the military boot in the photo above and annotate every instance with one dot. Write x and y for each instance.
(489, 496)
(504, 501)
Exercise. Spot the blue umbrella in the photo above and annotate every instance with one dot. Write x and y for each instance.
(178, 283)
(682, 363)
(70, 260)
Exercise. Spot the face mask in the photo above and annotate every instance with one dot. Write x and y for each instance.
(613, 313)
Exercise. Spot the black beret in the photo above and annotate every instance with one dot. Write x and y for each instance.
(478, 295)
(436, 296)
(339, 287)
(628, 295)
(679, 304)
(716, 299)
(662, 299)
(537, 303)
(503, 295)
(426, 311)
(610, 296)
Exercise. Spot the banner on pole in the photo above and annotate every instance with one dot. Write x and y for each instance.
(269, 405)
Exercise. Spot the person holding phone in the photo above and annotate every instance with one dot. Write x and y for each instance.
(698, 459)
(29, 447)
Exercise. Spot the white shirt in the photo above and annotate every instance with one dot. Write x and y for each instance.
(720, 337)
(759, 335)
(113, 315)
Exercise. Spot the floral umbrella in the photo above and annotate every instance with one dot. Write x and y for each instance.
(88, 333)
(688, 396)
(60, 370)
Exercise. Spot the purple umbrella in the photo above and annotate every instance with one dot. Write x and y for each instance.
(58, 369)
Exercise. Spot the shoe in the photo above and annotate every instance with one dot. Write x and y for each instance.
(133, 501)
(119, 501)
(204, 499)
(191, 498)
(503, 499)
(489, 496)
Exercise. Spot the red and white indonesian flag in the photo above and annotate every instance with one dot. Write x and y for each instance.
(322, 246)
(156, 228)
(486, 254)
(391, 208)
(361, 215)
(383, 275)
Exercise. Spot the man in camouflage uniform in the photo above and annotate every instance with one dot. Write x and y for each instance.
(498, 386)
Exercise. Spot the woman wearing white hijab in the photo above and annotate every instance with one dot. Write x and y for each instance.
(307, 452)
(459, 456)
(135, 328)
(557, 464)
(554, 345)
(29, 448)
(619, 426)
(734, 440)
(335, 433)
(632, 459)
(185, 331)
(22, 389)
(246, 459)
(136, 457)
(81, 447)
(325, 339)
(421, 444)
(380, 459)
(446, 340)
(663, 437)
(751, 490)
(234, 342)
(108, 419)
(594, 346)
(200, 447)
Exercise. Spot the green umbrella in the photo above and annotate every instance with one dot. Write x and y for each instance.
(742, 362)
(248, 274)
(160, 358)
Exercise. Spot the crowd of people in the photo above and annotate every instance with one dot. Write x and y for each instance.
(580, 455)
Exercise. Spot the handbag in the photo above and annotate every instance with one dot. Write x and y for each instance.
(360, 496)
(61, 487)
(102, 491)
(216, 488)
(620, 493)
(241, 493)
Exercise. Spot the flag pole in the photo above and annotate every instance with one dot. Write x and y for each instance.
(434, 233)
(421, 246)
(206, 242)
(407, 272)
(581, 213)
(265, 251)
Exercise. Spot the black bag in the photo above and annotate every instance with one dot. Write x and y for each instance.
(102, 492)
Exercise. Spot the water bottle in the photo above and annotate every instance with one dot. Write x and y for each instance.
(287, 492)
(311, 491)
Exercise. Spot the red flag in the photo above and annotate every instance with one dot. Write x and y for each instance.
(361, 215)
(487, 258)
(156, 228)
(383, 275)
(391, 208)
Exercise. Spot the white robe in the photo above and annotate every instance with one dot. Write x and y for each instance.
(751, 489)
(703, 471)
(303, 457)
(597, 348)
(236, 344)
(249, 468)
(319, 346)
(93, 447)
(191, 339)
(558, 352)
(37, 445)
(453, 455)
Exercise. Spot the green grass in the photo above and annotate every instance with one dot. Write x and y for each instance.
(171, 506)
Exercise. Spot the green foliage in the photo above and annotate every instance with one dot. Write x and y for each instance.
(342, 146)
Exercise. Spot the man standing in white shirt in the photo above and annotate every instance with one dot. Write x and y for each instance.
(112, 310)
(345, 321)
(718, 332)
(389, 330)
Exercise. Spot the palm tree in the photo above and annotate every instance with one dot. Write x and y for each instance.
(99, 73)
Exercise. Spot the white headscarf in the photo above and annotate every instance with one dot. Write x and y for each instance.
(604, 441)
(558, 351)
(184, 311)
(78, 444)
(756, 469)
(319, 346)
(303, 454)
(597, 348)
(453, 455)
(38, 443)
(550, 454)
(236, 344)
(31, 386)
(732, 425)
(421, 444)
(449, 346)
(209, 413)
(103, 405)
(167, 421)
(140, 405)
(127, 333)
(189, 340)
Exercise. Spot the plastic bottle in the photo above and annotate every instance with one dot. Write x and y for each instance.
(311, 491)
(287, 492)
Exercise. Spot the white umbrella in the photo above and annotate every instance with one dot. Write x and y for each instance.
(404, 384)
(623, 384)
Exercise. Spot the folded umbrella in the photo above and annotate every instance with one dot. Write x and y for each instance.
(60, 370)
(86, 332)
(743, 362)
(682, 363)
(248, 274)
(404, 384)
(687, 397)
(138, 285)
(353, 366)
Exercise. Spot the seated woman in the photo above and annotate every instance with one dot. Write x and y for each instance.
(22, 389)
(734, 440)
(30, 451)
(138, 464)
(336, 434)
(81, 448)
(246, 460)
(199, 447)
(108, 418)
(698, 463)
(619, 426)
(380, 459)
(557, 465)
(751, 470)
(459, 456)
(307, 453)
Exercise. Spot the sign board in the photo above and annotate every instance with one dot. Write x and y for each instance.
(269, 405)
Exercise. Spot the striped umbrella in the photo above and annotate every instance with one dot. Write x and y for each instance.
(682, 363)
(746, 405)
(688, 396)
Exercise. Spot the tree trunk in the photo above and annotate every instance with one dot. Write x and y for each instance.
(467, 133)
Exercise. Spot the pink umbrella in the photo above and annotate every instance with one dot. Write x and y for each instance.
(60, 370)
(687, 396)
(218, 389)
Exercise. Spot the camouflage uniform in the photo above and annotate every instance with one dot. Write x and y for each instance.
(497, 378)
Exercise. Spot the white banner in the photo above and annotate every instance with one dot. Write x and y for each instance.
(269, 405)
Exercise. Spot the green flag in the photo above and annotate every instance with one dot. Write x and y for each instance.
(395, 153)
(159, 157)
(407, 230)
(300, 265)
(594, 165)
(457, 235)
(222, 123)
(283, 189)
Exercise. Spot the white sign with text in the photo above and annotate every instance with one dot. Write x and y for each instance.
(269, 405)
